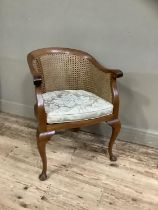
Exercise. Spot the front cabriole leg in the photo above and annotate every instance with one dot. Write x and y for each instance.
(116, 126)
(42, 140)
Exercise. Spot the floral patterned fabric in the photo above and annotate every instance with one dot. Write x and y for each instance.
(74, 105)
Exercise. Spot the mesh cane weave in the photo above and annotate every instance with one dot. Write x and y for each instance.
(63, 71)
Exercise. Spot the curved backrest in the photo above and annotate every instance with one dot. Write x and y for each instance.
(64, 68)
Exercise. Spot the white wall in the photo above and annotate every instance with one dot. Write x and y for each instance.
(119, 33)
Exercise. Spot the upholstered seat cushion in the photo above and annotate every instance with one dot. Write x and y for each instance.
(74, 105)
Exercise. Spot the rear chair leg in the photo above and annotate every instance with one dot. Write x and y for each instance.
(75, 129)
(116, 126)
(41, 144)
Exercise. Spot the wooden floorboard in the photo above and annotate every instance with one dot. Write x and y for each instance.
(81, 177)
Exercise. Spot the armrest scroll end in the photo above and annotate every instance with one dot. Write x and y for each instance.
(117, 73)
(37, 80)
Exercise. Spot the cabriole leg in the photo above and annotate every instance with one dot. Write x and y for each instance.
(116, 126)
(41, 144)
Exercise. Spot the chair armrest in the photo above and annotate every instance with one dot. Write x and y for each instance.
(116, 73)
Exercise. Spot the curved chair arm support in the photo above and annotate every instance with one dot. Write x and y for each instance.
(39, 109)
(115, 97)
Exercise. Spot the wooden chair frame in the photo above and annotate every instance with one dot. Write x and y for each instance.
(45, 131)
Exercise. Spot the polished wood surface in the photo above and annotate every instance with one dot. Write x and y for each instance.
(43, 130)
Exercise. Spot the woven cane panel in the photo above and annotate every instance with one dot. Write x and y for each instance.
(73, 72)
